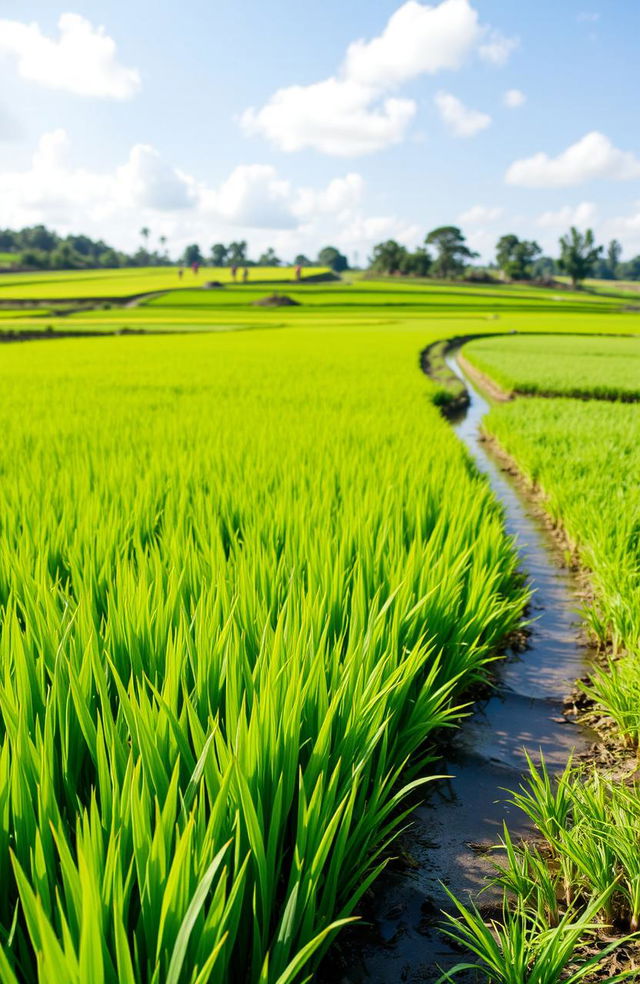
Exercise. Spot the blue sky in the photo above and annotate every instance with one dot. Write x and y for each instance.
(209, 122)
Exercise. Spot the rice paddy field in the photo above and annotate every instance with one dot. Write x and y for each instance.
(591, 367)
(129, 281)
(248, 579)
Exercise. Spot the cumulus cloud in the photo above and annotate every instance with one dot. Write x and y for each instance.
(336, 116)
(581, 216)
(418, 39)
(480, 214)
(626, 228)
(496, 48)
(146, 181)
(514, 98)
(254, 201)
(458, 118)
(353, 112)
(594, 156)
(83, 59)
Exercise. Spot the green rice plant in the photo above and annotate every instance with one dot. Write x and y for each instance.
(547, 799)
(245, 581)
(616, 691)
(527, 875)
(597, 368)
(522, 949)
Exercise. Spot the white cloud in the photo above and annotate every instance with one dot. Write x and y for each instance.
(339, 197)
(336, 116)
(480, 214)
(459, 119)
(82, 60)
(594, 156)
(514, 98)
(581, 216)
(252, 202)
(352, 112)
(418, 39)
(626, 228)
(9, 126)
(588, 17)
(497, 48)
(254, 196)
(146, 181)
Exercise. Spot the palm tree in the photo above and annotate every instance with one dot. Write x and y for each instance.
(144, 232)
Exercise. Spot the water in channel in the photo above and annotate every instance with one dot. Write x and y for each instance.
(464, 815)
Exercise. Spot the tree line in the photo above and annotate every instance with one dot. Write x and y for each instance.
(39, 248)
(446, 255)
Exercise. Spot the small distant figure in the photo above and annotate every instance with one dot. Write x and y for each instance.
(234, 273)
(298, 272)
(195, 267)
(180, 273)
(245, 275)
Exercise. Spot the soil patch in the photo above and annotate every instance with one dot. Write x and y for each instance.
(276, 300)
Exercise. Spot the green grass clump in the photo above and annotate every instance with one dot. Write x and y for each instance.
(244, 580)
(571, 898)
(604, 368)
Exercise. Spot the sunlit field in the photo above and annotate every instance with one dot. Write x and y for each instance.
(264, 579)
(130, 281)
(607, 368)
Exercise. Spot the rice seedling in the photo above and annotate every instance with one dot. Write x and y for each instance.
(521, 948)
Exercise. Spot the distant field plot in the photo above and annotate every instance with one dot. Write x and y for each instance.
(129, 282)
(567, 365)
(435, 310)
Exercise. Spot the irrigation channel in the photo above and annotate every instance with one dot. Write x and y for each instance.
(451, 832)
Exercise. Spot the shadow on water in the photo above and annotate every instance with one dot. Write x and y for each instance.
(464, 815)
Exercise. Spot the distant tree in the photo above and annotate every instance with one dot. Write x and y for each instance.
(163, 245)
(269, 258)
(7, 240)
(219, 254)
(451, 251)
(65, 257)
(578, 254)
(631, 269)
(38, 237)
(515, 257)
(614, 255)
(417, 264)
(388, 257)
(110, 259)
(36, 259)
(302, 260)
(237, 253)
(333, 258)
(544, 268)
(192, 255)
